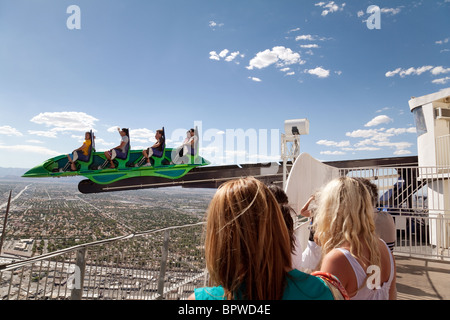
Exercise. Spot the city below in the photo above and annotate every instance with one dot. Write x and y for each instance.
(51, 214)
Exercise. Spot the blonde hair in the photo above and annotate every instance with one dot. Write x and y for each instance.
(345, 215)
(247, 244)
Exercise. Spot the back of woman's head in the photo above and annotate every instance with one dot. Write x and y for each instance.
(279, 194)
(286, 210)
(371, 187)
(247, 243)
(345, 215)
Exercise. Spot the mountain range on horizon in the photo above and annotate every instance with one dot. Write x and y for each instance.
(15, 172)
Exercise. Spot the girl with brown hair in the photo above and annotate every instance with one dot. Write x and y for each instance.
(248, 248)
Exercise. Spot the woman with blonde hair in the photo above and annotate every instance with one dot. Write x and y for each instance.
(344, 228)
(248, 249)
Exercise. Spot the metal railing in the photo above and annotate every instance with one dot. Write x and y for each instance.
(160, 264)
(169, 263)
(418, 198)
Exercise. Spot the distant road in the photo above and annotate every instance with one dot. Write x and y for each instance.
(16, 197)
(106, 215)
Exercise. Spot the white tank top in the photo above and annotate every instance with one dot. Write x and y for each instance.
(366, 293)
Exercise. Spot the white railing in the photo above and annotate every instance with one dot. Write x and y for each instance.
(418, 198)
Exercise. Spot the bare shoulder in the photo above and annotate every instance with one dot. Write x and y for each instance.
(334, 262)
(192, 297)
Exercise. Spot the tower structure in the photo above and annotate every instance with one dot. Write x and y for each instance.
(432, 118)
(290, 142)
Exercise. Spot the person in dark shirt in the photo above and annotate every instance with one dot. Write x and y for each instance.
(155, 150)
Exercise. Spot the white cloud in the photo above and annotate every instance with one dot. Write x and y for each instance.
(255, 79)
(392, 11)
(213, 55)
(65, 121)
(332, 153)
(319, 72)
(360, 13)
(330, 7)
(382, 109)
(294, 30)
(378, 120)
(31, 149)
(397, 131)
(417, 71)
(223, 53)
(101, 143)
(329, 143)
(393, 73)
(438, 70)
(287, 71)
(414, 71)
(309, 46)
(410, 71)
(441, 80)
(112, 129)
(374, 139)
(34, 141)
(212, 24)
(370, 140)
(401, 152)
(361, 133)
(362, 149)
(232, 56)
(279, 55)
(308, 37)
(10, 131)
(143, 135)
(397, 145)
(40, 133)
(446, 40)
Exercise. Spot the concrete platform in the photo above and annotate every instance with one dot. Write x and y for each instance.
(420, 279)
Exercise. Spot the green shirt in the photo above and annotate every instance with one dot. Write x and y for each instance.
(299, 286)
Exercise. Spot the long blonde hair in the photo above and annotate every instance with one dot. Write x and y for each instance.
(345, 215)
(247, 245)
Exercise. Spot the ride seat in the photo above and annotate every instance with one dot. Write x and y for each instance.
(125, 154)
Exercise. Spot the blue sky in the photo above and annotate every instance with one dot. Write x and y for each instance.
(226, 65)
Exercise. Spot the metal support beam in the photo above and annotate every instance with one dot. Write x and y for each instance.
(164, 257)
(80, 269)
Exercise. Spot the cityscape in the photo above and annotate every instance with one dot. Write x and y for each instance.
(53, 214)
(48, 215)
